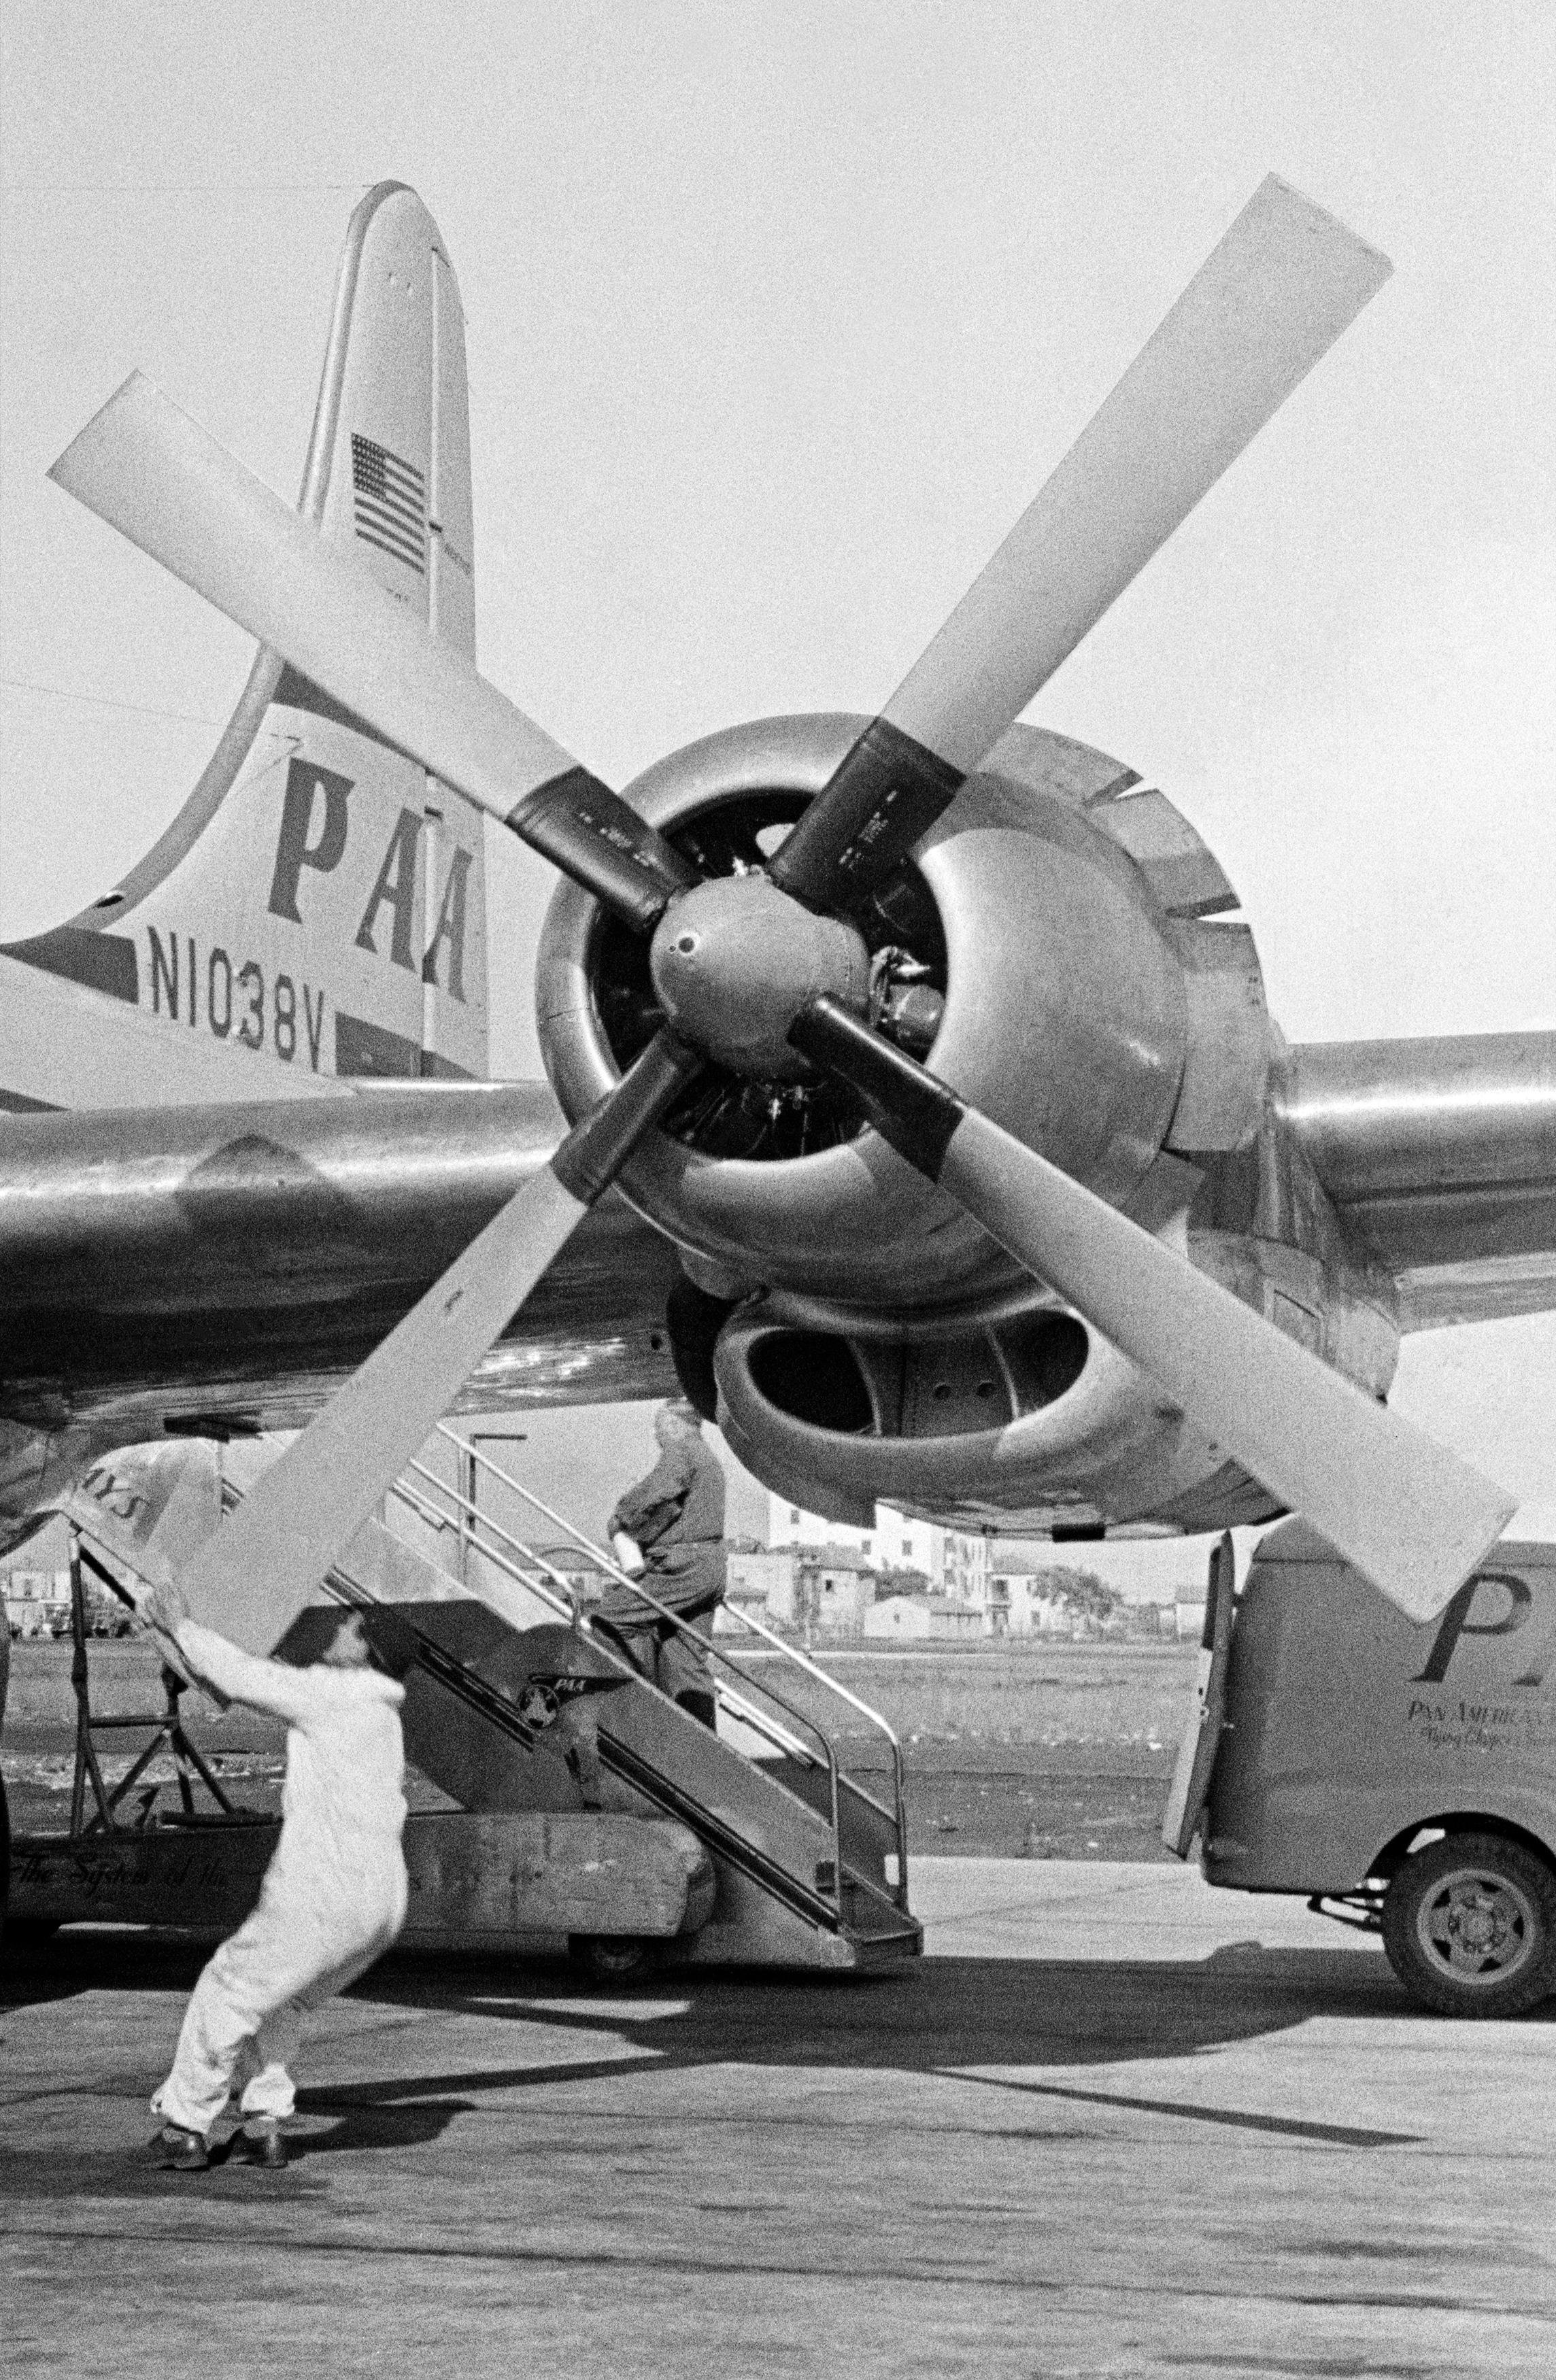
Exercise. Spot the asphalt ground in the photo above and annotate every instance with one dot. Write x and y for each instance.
(1113, 2124)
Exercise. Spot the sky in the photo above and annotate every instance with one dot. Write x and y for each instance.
(778, 314)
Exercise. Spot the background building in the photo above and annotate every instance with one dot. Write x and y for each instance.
(915, 1618)
(1147, 1587)
(583, 1571)
(761, 1581)
(807, 1590)
(954, 1563)
(35, 1583)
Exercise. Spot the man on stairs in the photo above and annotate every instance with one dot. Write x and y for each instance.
(675, 1519)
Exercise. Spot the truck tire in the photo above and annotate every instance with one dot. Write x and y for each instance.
(4, 1858)
(1469, 1924)
(614, 1958)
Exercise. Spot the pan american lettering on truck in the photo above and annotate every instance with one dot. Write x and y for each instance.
(1463, 1714)
(1525, 1728)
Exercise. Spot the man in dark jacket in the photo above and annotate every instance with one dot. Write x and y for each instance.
(675, 1517)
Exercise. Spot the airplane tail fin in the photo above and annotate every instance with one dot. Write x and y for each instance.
(319, 898)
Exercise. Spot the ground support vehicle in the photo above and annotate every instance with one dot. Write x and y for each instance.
(1403, 1778)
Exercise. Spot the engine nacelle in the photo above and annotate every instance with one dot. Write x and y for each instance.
(879, 1347)
(1026, 1418)
(1022, 1417)
(1058, 914)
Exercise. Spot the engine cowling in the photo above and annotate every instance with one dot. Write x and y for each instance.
(1066, 1017)
(1022, 1417)
(879, 1346)
(1026, 1419)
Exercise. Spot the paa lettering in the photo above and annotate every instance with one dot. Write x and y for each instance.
(294, 852)
(314, 825)
(394, 887)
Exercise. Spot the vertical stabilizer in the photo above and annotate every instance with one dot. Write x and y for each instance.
(319, 899)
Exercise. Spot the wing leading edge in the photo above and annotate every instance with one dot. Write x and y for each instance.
(1440, 1154)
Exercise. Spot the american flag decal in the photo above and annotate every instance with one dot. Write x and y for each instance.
(390, 503)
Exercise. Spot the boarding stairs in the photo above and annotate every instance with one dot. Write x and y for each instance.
(515, 1693)
(550, 1749)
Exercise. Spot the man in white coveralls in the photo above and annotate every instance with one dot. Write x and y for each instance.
(333, 1896)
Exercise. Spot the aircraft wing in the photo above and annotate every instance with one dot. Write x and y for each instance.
(209, 1268)
(1441, 1154)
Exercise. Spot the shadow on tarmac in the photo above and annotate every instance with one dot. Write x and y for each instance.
(954, 2017)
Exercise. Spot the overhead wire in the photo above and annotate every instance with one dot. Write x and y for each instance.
(117, 702)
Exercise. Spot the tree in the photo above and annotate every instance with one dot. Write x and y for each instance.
(103, 1613)
(891, 1579)
(1080, 1591)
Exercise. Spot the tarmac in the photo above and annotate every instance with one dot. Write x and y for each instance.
(1114, 2124)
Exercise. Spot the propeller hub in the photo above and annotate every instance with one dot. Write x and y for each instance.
(734, 960)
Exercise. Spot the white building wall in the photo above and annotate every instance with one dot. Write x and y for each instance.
(770, 1574)
(898, 1616)
(953, 1563)
(36, 1601)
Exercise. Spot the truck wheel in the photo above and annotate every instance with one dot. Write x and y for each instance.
(1469, 1926)
(612, 1958)
(4, 1858)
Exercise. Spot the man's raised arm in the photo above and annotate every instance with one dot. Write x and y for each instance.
(233, 1675)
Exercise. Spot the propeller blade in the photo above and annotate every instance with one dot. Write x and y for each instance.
(1266, 305)
(259, 1571)
(155, 475)
(1408, 1514)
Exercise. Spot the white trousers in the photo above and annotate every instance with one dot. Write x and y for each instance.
(245, 2017)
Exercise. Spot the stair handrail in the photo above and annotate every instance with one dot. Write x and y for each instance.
(559, 1596)
(340, 1583)
(828, 1758)
(790, 1652)
(427, 1511)
(756, 1627)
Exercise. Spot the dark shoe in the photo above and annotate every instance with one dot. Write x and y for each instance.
(178, 2151)
(260, 2143)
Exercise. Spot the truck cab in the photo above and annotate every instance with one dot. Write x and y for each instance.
(1400, 1775)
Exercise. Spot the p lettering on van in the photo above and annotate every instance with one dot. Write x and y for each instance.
(294, 852)
(1456, 1622)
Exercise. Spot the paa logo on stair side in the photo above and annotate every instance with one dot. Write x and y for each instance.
(545, 1693)
(315, 822)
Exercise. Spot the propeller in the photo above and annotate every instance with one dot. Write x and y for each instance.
(1269, 301)
(751, 978)
(1408, 1514)
(157, 476)
(292, 1527)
